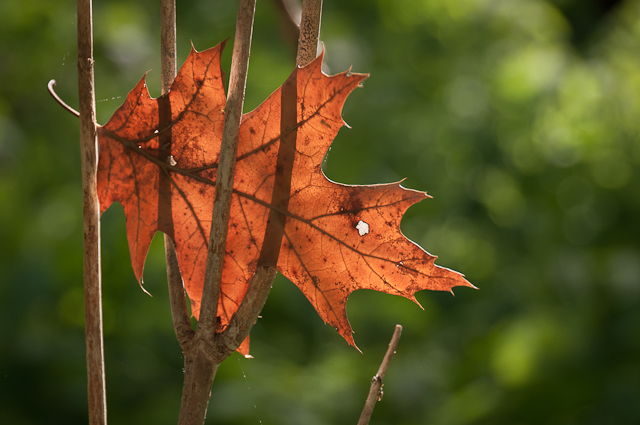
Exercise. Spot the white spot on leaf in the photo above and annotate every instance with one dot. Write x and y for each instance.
(363, 228)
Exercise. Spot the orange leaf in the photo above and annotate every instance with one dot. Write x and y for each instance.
(158, 158)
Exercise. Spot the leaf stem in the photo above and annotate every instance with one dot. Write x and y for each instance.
(375, 392)
(52, 92)
(91, 220)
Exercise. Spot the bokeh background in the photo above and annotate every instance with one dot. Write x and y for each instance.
(520, 117)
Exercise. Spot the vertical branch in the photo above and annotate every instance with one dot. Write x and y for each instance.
(91, 220)
(309, 31)
(375, 392)
(226, 169)
(168, 69)
(201, 363)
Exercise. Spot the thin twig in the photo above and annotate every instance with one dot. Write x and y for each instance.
(201, 362)
(226, 169)
(375, 392)
(62, 103)
(91, 220)
(168, 67)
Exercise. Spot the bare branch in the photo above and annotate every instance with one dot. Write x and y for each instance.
(168, 67)
(375, 392)
(201, 363)
(91, 219)
(226, 169)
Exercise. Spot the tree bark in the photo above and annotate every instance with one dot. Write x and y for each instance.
(91, 220)
(199, 371)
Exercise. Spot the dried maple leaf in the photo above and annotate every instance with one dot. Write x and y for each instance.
(158, 158)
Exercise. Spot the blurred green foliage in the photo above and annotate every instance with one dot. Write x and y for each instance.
(520, 117)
